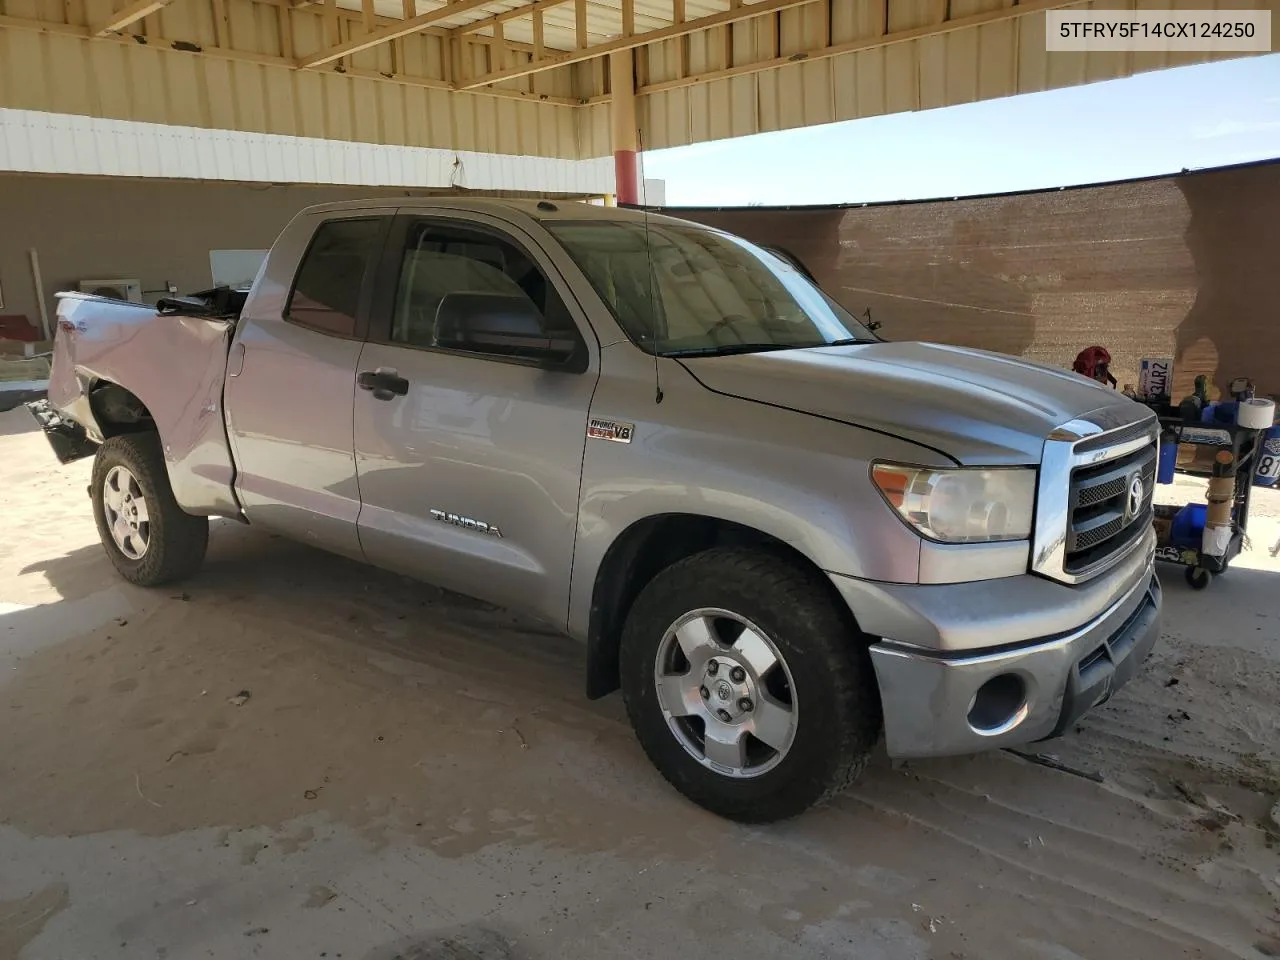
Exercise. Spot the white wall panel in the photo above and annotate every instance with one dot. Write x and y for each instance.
(37, 142)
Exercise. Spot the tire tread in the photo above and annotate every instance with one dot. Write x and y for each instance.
(178, 540)
(795, 594)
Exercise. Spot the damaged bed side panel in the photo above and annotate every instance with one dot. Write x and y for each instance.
(175, 365)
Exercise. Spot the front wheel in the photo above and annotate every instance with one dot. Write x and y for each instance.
(148, 537)
(748, 686)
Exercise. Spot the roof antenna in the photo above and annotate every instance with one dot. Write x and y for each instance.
(653, 276)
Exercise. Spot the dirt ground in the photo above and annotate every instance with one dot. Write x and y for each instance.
(416, 775)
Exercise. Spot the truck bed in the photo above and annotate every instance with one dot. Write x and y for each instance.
(172, 358)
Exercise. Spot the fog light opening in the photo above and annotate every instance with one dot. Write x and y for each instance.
(999, 705)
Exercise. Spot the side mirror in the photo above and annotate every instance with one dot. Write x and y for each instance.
(503, 324)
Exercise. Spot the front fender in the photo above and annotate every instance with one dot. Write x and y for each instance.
(800, 479)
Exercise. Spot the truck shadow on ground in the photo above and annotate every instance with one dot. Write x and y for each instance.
(401, 626)
(400, 709)
(404, 629)
(247, 564)
(347, 608)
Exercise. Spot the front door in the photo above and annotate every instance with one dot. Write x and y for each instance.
(470, 463)
(291, 378)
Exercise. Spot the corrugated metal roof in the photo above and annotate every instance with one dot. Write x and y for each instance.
(301, 68)
(37, 142)
(995, 59)
(396, 93)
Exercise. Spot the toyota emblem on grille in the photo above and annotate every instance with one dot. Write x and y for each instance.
(1136, 492)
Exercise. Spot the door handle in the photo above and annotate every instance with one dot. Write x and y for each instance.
(384, 383)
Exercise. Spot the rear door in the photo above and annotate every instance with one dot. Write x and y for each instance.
(470, 466)
(291, 378)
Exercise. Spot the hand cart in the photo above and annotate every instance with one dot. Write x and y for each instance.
(1243, 444)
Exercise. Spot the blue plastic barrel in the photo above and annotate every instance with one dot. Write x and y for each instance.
(1268, 474)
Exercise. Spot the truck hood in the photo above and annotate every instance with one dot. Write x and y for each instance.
(974, 406)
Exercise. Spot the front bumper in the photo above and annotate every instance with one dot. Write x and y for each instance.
(928, 695)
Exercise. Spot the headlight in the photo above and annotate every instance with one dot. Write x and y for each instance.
(961, 506)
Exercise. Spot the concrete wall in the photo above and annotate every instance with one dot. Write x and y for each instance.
(1183, 266)
(155, 230)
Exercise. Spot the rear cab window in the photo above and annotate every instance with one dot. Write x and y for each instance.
(327, 290)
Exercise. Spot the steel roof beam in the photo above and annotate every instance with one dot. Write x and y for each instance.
(130, 13)
(1024, 8)
(733, 15)
(395, 31)
(186, 48)
(513, 14)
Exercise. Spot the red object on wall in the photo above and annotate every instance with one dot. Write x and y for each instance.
(624, 171)
(1094, 363)
(16, 326)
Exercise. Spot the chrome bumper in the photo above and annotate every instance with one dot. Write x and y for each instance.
(928, 696)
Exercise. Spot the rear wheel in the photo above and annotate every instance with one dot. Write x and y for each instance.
(149, 538)
(748, 686)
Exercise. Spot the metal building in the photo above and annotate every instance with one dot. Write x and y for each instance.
(566, 79)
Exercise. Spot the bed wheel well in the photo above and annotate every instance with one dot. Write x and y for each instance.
(117, 410)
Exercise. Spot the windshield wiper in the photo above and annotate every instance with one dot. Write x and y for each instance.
(727, 349)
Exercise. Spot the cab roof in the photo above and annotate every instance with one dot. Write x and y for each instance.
(538, 210)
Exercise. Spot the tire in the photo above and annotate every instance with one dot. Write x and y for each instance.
(129, 474)
(1198, 578)
(827, 686)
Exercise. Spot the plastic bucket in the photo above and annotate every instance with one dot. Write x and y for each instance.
(1188, 525)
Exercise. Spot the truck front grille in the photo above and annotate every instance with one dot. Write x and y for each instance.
(1090, 514)
(1103, 517)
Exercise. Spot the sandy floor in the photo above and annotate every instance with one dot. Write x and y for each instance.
(415, 775)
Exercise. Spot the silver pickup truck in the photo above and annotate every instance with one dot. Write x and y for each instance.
(780, 535)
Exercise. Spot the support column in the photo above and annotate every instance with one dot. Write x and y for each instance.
(622, 82)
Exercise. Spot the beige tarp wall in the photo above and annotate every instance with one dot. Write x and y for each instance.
(1186, 266)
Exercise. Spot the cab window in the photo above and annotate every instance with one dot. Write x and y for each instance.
(326, 292)
(442, 258)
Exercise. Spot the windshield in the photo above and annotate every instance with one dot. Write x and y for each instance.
(685, 290)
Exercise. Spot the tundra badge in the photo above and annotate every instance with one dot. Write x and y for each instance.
(599, 428)
(466, 523)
